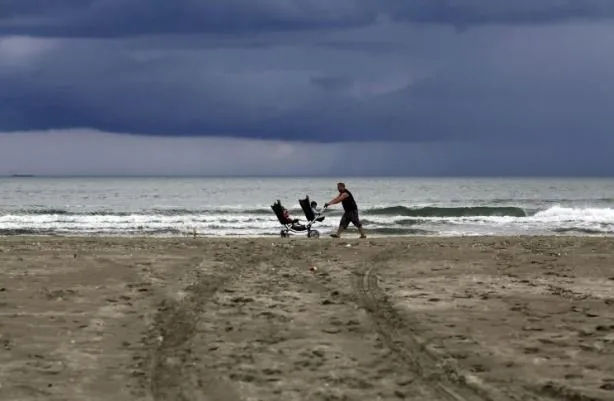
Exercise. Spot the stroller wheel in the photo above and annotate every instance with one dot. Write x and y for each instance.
(313, 234)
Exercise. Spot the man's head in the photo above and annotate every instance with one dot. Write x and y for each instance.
(340, 186)
(313, 204)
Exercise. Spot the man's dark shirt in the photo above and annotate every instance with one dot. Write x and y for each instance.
(349, 204)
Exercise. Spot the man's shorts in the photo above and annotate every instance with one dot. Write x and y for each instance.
(350, 217)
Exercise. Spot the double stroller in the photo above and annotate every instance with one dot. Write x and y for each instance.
(293, 226)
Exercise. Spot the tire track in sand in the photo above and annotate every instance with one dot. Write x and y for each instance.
(434, 370)
(174, 369)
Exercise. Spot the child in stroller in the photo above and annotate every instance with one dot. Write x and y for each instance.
(314, 208)
(293, 222)
(293, 225)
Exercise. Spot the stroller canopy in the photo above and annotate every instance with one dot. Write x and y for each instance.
(279, 212)
(305, 205)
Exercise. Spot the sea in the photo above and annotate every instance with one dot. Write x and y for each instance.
(175, 207)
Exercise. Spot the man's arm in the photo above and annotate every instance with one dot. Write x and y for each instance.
(337, 199)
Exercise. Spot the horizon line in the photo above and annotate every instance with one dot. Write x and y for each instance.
(28, 175)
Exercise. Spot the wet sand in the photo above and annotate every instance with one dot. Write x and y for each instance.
(248, 319)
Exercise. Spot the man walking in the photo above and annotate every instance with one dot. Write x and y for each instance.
(350, 211)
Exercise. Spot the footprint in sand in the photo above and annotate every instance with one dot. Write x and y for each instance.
(607, 384)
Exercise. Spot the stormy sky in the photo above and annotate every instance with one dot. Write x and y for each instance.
(300, 87)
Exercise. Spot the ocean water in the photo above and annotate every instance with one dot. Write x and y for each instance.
(241, 207)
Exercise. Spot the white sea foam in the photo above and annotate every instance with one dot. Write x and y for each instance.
(552, 220)
(133, 206)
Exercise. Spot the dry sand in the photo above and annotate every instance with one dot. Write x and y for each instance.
(386, 319)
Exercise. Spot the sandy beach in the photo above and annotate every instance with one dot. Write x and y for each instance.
(526, 318)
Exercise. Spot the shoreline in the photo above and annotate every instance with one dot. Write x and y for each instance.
(378, 237)
(144, 318)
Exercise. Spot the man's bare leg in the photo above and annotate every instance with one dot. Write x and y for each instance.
(362, 232)
(338, 233)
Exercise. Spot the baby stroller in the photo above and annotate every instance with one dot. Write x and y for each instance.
(292, 226)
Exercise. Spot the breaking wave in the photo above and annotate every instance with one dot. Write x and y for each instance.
(389, 220)
(466, 211)
(427, 211)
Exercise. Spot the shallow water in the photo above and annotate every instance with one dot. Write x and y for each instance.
(241, 206)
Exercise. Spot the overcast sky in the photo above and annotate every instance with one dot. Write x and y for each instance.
(356, 87)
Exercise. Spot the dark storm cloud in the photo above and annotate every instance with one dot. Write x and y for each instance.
(472, 12)
(116, 18)
(332, 83)
(113, 18)
(492, 82)
(349, 77)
